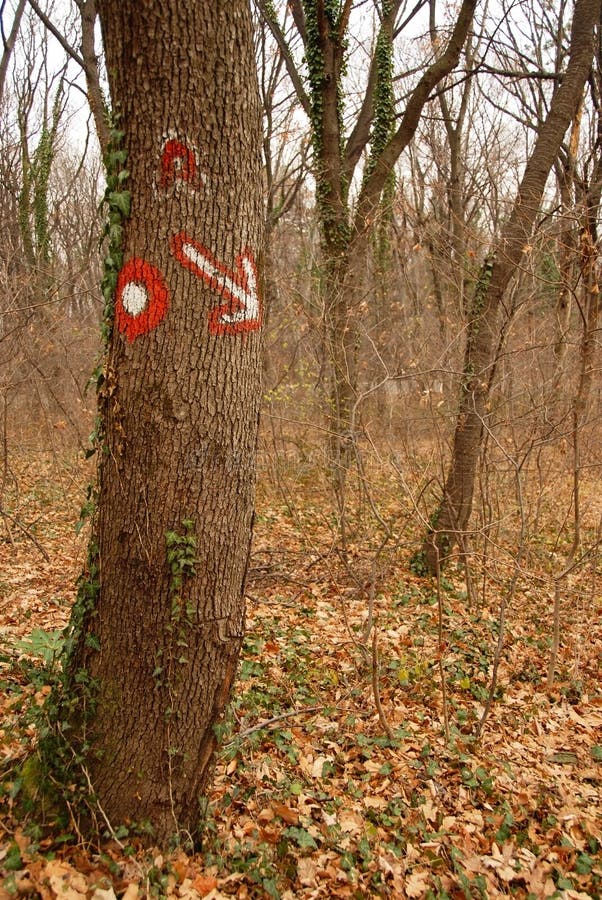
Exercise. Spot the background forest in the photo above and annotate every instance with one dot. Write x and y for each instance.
(418, 707)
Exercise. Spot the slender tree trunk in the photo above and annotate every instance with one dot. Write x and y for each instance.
(567, 253)
(341, 337)
(180, 401)
(590, 314)
(9, 45)
(87, 9)
(454, 512)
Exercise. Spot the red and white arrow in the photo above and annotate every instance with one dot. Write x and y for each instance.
(242, 309)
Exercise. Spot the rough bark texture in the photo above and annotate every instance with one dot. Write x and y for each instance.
(182, 395)
(453, 515)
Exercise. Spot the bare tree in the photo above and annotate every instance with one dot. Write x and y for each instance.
(453, 514)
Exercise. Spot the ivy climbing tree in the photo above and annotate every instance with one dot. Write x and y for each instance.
(157, 627)
(383, 128)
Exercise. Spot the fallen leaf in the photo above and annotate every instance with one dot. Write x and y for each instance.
(416, 885)
(100, 894)
(306, 871)
(204, 884)
(288, 815)
(131, 892)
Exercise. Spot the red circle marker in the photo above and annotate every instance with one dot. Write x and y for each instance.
(178, 162)
(142, 298)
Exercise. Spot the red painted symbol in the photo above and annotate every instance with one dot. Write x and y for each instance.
(142, 298)
(242, 309)
(179, 163)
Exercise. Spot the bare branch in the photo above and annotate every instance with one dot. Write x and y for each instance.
(96, 99)
(9, 43)
(291, 68)
(69, 50)
(407, 128)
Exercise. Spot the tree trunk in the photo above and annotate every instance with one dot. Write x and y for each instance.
(180, 402)
(590, 314)
(323, 28)
(87, 10)
(453, 515)
(567, 253)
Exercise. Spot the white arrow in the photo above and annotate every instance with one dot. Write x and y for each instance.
(242, 310)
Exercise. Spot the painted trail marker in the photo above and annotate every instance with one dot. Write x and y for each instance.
(179, 163)
(142, 298)
(242, 309)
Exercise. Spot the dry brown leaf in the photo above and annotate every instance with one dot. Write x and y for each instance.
(307, 871)
(204, 884)
(186, 891)
(65, 881)
(351, 821)
(288, 815)
(318, 766)
(101, 894)
(131, 892)
(416, 884)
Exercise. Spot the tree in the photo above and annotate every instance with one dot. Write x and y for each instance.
(338, 148)
(157, 627)
(453, 514)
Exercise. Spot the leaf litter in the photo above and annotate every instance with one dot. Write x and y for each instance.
(311, 798)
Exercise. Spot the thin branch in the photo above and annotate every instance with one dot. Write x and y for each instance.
(291, 68)
(69, 50)
(375, 685)
(9, 43)
(267, 722)
(26, 532)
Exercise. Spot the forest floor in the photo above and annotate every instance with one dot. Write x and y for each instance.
(316, 794)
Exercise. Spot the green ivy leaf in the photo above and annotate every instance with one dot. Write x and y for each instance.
(584, 864)
(121, 200)
(302, 838)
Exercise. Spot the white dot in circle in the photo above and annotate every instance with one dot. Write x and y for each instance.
(134, 298)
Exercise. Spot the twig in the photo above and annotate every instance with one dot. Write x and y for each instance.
(572, 565)
(505, 602)
(555, 636)
(268, 722)
(375, 686)
(440, 641)
(25, 531)
(98, 806)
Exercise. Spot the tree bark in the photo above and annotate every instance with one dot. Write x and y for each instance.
(453, 515)
(590, 307)
(180, 403)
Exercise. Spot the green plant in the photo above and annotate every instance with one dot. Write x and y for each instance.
(47, 645)
(181, 560)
